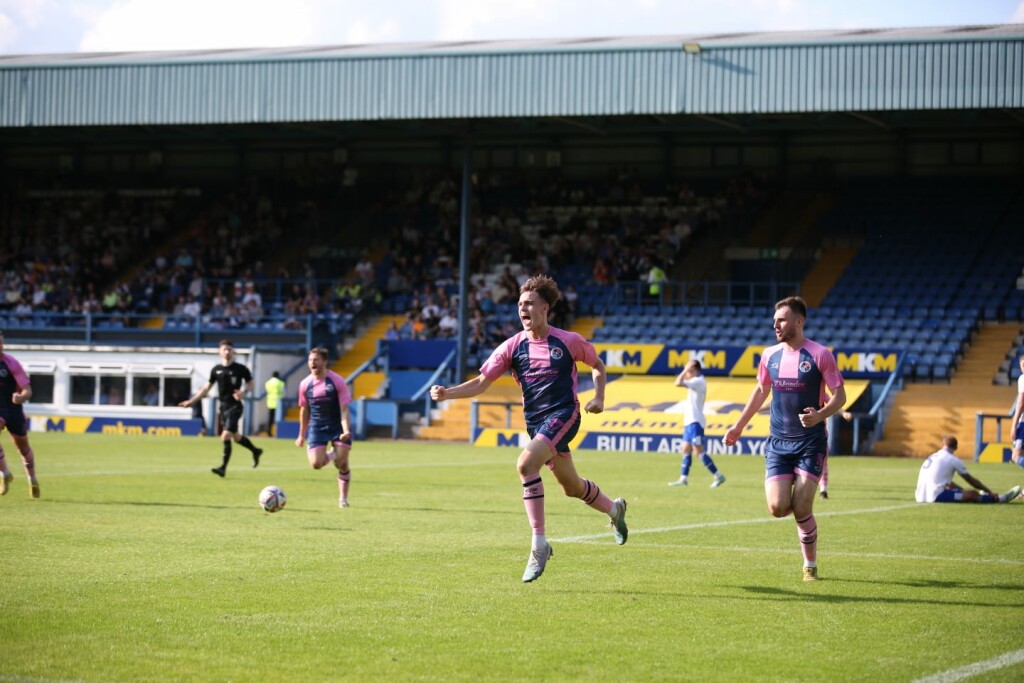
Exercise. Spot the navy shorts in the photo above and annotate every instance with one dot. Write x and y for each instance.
(557, 429)
(785, 458)
(325, 436)
(14, 419)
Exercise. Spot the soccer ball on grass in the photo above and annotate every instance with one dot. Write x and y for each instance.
(272, 499)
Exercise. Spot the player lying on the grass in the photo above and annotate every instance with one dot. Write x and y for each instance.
(935, 480)
(324, 398)
(542, 360)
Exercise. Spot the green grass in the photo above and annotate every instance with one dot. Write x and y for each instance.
(137, 564)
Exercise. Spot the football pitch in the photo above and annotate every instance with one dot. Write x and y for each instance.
(138, 564)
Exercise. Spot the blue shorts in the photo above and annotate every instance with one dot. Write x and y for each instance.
(694, 434)
(950, 496)
(1018, 435)
(14, 419)
(325, 436)
(557, 429)
(785, 458)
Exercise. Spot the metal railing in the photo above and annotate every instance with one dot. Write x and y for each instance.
(447, 368)
(875, 412)
(979, 428)
(474, 414)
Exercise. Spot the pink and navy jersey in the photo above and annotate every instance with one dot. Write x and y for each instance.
(325, 399)
(798, 380)
(545, 369)
(12, 378)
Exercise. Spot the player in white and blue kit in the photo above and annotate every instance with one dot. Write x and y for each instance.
(935, 480)
(692, 377)
(796, 373)
(542, 360)
(324, 426)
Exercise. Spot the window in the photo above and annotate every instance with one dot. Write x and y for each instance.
(83, 389)
(145, 391)
(112, 390)
(176, 390)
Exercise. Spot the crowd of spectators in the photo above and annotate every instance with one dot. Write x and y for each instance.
(199, 256)
(600, 234)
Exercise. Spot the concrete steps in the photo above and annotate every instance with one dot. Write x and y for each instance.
(923, 413)
(451, 420)
(823, 275)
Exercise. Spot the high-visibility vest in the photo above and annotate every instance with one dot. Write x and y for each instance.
(275, 391)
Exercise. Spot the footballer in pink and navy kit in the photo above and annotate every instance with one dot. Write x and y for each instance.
(805, 386)
(797, 379)
(542, 360)
(324, 425)
(15, 391)
(545, 370)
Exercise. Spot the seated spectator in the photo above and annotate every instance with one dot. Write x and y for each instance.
(448, 324)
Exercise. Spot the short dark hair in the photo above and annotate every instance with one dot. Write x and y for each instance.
(320, 351)
(795, 304)
(949, 442)
(226, 342)
(545, 287)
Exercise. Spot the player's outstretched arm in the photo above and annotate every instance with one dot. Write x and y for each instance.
(468, 389)
(757, 398)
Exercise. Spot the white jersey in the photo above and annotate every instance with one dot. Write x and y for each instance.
(1020, 390)
(936, 473)
(697, 392)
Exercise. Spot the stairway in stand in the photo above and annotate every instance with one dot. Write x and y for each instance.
(368, 384)
(923, 413)
(824, 274)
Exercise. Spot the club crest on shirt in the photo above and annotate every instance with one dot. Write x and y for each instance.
(329, 388)
(556, 353)
(805, 366)
(3, 370)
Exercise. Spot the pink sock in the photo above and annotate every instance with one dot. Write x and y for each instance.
(343, 479)
(593, 497)
(28, 459)
(533, 499)
(807, 529)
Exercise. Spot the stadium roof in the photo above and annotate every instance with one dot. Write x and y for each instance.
(993, 32)
(722, 80)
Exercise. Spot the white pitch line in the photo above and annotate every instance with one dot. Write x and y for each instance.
(734, 522)
(830, 553)
(245, 466)
(971, 670)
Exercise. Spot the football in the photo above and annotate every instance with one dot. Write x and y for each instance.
(272, 499)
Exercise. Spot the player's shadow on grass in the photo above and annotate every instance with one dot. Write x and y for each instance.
(770, 592)
(922, 583)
